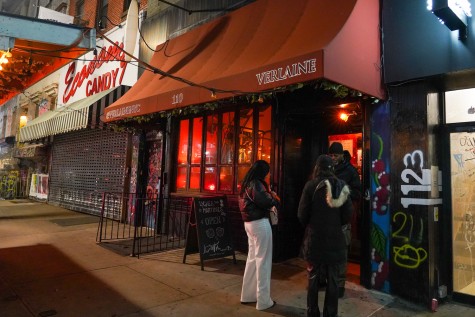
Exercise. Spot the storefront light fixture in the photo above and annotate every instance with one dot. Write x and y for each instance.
(344, 116)
(23, 121)
(5, 55)
(452, 13)
(213, 94)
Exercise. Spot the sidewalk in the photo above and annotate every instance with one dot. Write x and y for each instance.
(50, 265)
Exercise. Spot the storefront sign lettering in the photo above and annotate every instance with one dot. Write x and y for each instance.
(74, 80)
(128, 110)
(177, 98)
(101, 83)
(282, 73)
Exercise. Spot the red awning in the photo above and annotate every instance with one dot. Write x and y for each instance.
(264, 45)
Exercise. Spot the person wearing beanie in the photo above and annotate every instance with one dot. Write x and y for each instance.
(325, 206)
(348, 173)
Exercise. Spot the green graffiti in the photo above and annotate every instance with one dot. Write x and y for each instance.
(409, 255)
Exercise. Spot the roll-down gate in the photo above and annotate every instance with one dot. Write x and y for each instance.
(85, 164)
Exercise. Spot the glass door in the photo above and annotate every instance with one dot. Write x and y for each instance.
(462, 175)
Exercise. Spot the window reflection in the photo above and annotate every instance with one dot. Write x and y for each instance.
(215, 165)
(241, 172)
(181, 178)
(211, 139)
(183, 142)
(245, 136)
(210, 179)
(227, 144)
(226, 179)
(195, 178)
(196, 142)
(264, 135)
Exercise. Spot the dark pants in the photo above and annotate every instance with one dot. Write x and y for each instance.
(330, 308)
(343, 266)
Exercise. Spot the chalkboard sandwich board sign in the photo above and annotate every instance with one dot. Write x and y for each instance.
(208, 230)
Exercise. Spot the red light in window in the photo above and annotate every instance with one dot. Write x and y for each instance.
(212, 187)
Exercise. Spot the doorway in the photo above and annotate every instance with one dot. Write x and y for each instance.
(305, 137)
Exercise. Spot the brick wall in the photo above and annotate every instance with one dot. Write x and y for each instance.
(115, 12)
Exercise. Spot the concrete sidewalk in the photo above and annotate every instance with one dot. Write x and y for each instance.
(50, 265)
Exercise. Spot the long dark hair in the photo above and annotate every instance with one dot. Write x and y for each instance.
(258, 171)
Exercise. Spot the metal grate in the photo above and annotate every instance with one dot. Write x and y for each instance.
(85, 164)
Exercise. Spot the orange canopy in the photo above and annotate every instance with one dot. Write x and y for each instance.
(264, 45)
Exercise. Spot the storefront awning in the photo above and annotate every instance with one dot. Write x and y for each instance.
(262, 46)
(68, 118)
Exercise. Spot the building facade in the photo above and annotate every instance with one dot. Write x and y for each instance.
(229, 91)
(429, 73)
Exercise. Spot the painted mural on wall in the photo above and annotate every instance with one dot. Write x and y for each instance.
(462, 152)
(131, 210)
(154, 153)
(380, 198)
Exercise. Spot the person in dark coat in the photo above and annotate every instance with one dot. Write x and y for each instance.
(255, 202)
(324, 208)
(345, 171)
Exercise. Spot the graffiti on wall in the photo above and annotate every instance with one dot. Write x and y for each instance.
(407, 252)
(418, 179)
(9, 185)
(408, 226)
(462, 151)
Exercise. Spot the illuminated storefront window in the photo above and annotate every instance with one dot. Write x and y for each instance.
(182, 160)
(216, 151)
(264, 137)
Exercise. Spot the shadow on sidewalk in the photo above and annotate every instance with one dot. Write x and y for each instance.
(41, 280)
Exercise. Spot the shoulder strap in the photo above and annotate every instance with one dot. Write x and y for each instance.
(319, 185)
(248, 195)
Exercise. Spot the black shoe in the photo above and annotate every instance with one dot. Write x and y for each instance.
(341, 292)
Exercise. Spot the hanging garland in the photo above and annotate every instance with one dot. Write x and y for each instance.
(339, 91)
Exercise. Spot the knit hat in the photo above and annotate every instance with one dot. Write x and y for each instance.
(324, 162)
(335, 148)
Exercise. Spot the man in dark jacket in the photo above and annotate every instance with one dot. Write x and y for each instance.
(348, 173)
(323, 209)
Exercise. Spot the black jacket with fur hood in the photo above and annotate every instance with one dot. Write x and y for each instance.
(324, 208)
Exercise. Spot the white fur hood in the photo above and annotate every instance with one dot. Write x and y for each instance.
(334, 202)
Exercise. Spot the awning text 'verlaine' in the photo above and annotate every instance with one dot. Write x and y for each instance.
(283, 73)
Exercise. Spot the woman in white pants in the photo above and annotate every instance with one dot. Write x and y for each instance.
(256, 199)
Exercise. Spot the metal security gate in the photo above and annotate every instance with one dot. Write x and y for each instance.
(85, 164)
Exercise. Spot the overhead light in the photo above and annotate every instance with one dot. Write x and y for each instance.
(344, 116)
(23, 121)
(452, 13)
